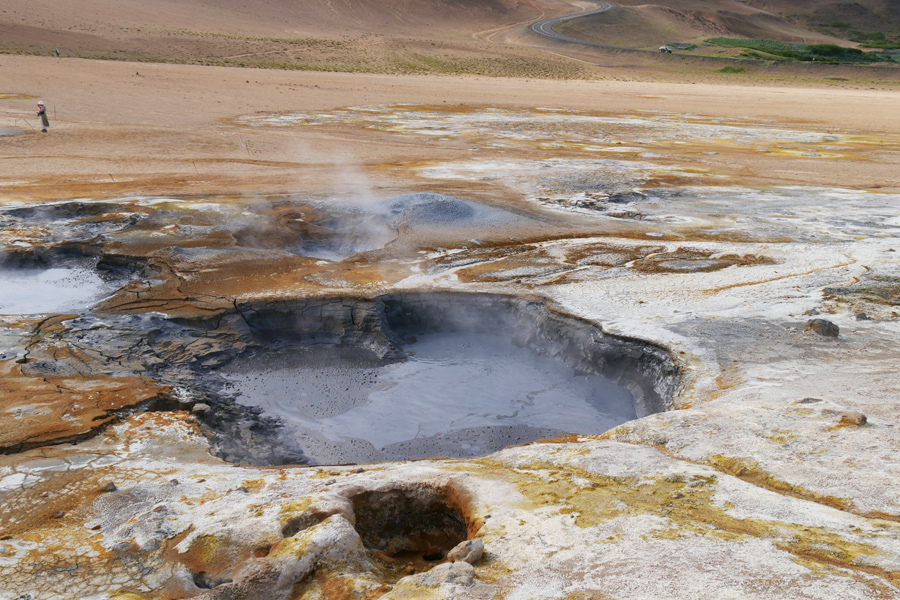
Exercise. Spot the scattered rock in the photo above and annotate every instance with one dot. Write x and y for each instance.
(59, 514)
(812, 312)
(109, 487)
(822, 327)
(469, 551)
(810, 400)
(853, 418)
(861, 316)
(457, 573)
(152, 362)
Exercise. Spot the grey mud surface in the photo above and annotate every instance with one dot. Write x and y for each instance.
(458, 394)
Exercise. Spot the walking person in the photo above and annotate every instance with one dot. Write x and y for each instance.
(42, 115)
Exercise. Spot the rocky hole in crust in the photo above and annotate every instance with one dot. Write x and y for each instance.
(408, 531)
(206, 581)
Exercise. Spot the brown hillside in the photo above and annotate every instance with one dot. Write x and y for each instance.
(638, 24)
(649, 25)
(641, 27)
(820, 15)
(397, 36)
(874, 15)
(278, 18)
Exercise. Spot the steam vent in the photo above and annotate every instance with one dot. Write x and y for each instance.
(517, 310)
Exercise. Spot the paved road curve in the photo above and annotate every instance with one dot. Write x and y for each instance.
(546, 26)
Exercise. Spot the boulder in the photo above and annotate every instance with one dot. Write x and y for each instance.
(853, 418)
(469, 551)
(822, 327)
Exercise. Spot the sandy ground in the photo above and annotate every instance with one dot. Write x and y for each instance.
(131, 128)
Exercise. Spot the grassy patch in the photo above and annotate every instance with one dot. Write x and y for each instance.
(824, 53)
(875, 40)
(683, 46)
(730, 69)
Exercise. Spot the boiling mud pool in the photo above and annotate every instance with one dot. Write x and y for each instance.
(56, 290)
(457, 395)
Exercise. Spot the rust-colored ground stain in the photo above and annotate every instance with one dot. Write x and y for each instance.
(41, 410)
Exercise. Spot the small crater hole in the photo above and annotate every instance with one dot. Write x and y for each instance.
(297, 524)
(409, 530)
(207, 581)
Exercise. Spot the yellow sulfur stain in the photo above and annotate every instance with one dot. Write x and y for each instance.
(750, 471)
(254, 485)
(687, 502)
(296, 506)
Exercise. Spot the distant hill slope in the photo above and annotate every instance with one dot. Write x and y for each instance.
(872, 15)
(641, 24)
(409, 36)
(395, 36)
(281, 18)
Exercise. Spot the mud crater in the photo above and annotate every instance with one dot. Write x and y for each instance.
(394, 377)
(51, 256)
(353, 380)
(334, 231)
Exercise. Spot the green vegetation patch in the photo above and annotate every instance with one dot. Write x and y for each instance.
(824, 53)
(683, 46)
(875, 40)
(868, 39)
(730, 69)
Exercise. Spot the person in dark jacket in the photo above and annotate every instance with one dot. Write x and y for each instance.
(42, 115)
